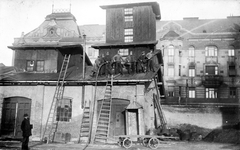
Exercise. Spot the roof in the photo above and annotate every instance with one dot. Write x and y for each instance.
(61, 16)
(125, 44)
(93, 30)
(75, 74)
(195, 25)
(57, 28)
(6, 71)
(154, 5)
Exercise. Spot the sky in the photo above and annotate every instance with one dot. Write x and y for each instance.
(17, 16)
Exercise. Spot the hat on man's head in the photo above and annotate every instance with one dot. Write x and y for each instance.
(25, 115)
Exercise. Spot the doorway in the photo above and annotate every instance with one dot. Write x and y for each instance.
(12, 115)
(117, 120)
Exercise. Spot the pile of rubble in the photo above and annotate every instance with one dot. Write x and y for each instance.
(229, 134)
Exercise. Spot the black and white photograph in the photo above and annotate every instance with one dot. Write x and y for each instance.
(120, 74)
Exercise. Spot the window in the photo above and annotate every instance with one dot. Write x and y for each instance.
(171, 71)
(128, 11)
(232, 70)
(191, 71)
(171, 54)
(128, 18)
(179, 71)
(231, 52)
(211, 93)
(191, 52)
(191, 92)
(30, 65)
(123, 52)
(211, 51)
(64, 110)
(128, 38)
(211, 70)
(170, 91)
(128, 31)
(40, 65)
(232, 92)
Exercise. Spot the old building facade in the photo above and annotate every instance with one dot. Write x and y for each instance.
(39, 56)
(201, 66)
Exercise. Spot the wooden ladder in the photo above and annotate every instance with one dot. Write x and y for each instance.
(103, 122)
(85, 124)
(51, 123)
(157, 103)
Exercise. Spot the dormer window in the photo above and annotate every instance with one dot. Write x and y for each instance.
(51, 31)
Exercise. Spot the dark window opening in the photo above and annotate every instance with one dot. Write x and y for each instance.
(232, 92)
(64, 110)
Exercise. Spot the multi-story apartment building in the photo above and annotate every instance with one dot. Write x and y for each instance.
(201, 63)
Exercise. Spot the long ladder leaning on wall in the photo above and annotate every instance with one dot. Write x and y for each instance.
(157, 103)
(51, 123)
(85, 123)
(103, 121)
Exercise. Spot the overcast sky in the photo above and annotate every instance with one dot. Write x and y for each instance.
(17, 16)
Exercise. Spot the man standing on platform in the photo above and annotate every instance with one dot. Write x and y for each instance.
(149, 61)
(141, 62)
(108, 68)
(118, 59)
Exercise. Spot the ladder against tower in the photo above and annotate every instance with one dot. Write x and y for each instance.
(103, 121)
(51, 123)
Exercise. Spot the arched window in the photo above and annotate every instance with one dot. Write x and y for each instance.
(191, 51)
(211, 51)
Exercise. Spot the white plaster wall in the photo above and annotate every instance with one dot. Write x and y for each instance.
(203, 117)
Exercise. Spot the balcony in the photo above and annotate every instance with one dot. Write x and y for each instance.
(212, 81)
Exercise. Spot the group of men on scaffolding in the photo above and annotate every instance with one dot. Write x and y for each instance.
(108, 66)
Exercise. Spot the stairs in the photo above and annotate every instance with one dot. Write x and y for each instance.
(51, 123)
(103, 122)
(85, 125)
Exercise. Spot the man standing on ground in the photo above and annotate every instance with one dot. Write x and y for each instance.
(26, 132)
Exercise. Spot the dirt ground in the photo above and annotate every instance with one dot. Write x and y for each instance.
(168, 145)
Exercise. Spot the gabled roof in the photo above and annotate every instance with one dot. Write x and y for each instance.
(93, 30)
(57, 29)
(195, 25)
(154, 5)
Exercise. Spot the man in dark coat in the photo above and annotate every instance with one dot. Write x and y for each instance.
(108, 68)
(26, 131)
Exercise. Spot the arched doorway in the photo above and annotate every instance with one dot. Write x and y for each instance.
(12, 115)
(117, 120)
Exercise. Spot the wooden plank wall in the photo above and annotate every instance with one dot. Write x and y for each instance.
(144, 24)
